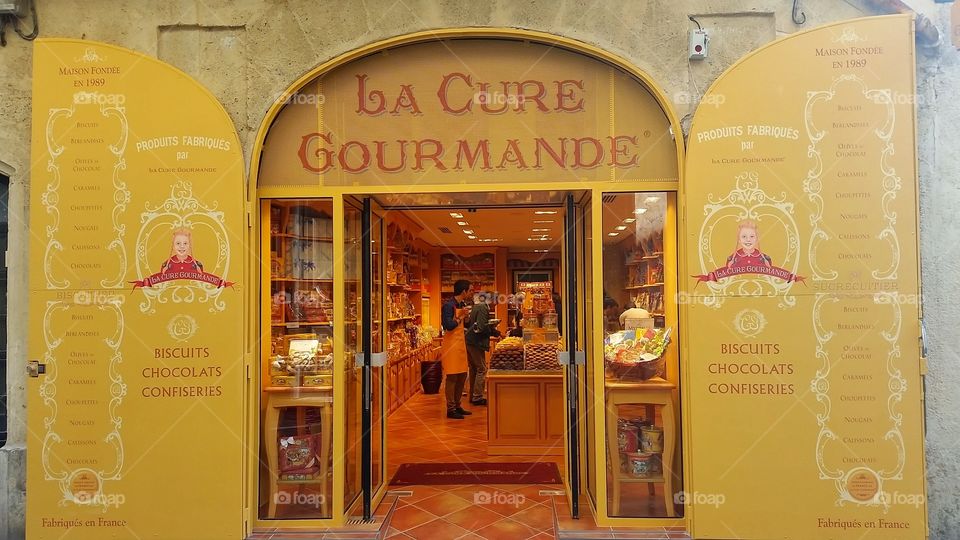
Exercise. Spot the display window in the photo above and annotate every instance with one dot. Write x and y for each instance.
(297, 359)
(641, 387)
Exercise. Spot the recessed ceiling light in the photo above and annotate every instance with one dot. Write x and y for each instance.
(541, 250)
(468, 231)
(651, 200)
(639, 211)
(472, 237)
(541, 230)
(612, 233)
(621, 227)
(457, 215)
(544, 221)
(462, 223)
(545, 212)
(629, 220)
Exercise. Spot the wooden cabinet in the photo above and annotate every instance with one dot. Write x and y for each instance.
(525, 413)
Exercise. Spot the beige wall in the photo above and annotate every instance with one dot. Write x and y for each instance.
(247, 52)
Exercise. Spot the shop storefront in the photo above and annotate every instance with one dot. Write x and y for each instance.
(251, 337)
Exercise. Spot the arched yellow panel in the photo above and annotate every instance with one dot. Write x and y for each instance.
(136, 305)
(804, 386)
(486, 108)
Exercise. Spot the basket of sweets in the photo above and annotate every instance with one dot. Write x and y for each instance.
(636, 355)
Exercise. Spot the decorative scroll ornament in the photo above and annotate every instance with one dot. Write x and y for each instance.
(813, 184)
(182, 278)
(747, 271)
(859, 484)
(81, 485)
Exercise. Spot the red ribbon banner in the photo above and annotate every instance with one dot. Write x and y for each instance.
(163, 277)
(774, 271)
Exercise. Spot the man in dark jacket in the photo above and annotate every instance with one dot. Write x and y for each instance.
(477, 338)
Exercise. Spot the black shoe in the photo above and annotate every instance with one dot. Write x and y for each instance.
(454, 414)
(479, 402)
(463, 412)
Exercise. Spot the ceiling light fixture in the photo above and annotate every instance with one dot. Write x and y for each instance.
(639, 211)
(541, 230)
(545, 212)
(612, 233)
(629, 220)
(472, 237)
(621, 227)
(456, 215)
(538, 221)
(468, 231)
(651, 200)
(462, 223)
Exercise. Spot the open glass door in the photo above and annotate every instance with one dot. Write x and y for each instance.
(570, 356)
(372, 357)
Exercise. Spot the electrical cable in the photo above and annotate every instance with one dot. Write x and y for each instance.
(14, 21)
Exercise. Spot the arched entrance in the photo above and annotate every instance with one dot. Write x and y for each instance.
(368, 150)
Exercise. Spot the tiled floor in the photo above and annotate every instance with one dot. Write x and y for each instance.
(420, 432)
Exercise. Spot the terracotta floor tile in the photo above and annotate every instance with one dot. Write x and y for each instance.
(437, 529)
(473, 518)
(408, 517)
(443, 504)
(584, 524)
(471, 536)
(537, 517)
(506, 529)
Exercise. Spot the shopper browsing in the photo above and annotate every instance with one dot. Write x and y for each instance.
(477, 338)
(453, 351)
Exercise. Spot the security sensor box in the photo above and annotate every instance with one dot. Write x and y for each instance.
(13, 7)
(698, 44)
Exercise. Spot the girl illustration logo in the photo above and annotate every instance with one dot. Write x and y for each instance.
(747, 258)
(181, 254)
(181, 265)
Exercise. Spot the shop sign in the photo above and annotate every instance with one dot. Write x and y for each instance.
(495, 111)
(801, 245)
(136, 310)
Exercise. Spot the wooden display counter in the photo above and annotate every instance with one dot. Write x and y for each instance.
(525, 413)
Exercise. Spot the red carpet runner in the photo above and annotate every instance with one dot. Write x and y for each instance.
(410, 474)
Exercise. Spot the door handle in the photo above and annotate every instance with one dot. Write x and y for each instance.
(35, 368)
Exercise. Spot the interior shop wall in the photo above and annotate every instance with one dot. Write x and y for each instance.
(247, 52)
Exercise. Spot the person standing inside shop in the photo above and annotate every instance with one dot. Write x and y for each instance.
(477, 338)
(453, 350)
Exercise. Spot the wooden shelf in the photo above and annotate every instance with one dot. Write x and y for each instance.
(302, 237)
(644, 286)
(311, 280)
(295, 324)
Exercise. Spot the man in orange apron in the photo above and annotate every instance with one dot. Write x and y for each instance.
(453, 350)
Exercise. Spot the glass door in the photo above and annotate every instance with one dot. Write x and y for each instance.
(372, 357)
(569, 353)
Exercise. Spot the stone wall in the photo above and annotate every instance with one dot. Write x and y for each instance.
(247, 52)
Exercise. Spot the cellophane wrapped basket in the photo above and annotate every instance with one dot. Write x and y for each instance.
(636, 355)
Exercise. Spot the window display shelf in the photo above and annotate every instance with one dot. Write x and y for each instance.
(302, 237)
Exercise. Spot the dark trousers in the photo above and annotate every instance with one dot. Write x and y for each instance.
(454, 389)
(477, 360)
